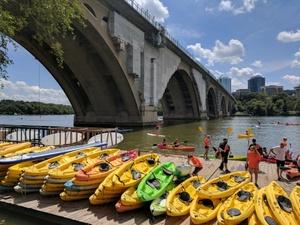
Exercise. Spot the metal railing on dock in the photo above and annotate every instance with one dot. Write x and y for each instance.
(58, 136)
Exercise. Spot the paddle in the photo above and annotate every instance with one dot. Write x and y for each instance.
(200, 129)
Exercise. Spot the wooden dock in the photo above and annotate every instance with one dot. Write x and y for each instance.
(53, 209)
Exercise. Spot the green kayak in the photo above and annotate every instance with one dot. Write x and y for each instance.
(155, 183)
(230, 157)
(159, 205)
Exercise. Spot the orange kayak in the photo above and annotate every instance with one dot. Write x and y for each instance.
(180, 147)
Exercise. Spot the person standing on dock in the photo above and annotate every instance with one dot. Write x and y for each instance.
(224, 148)
(206, 143)
(279, 152)
(196, 162)
(257, 146)
(253, 158)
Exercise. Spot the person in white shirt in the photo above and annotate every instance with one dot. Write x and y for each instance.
(279, 152)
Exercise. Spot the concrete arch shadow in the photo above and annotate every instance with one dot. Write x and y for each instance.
(211, 101)
(180, 100)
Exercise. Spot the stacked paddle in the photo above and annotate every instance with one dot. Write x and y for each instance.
(87, 180)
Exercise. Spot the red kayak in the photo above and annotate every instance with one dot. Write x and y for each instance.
(180, 147)
(292, 173)
(273, 160)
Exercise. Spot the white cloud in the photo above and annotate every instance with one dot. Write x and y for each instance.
(156, 8)
(241, 72)
(257, 64)
(228, 6)
(222, 53)
(291, 78)
(289, 36)
(238, 84)
(296, 61)
(20, 90)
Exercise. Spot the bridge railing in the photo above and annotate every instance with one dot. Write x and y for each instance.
(58, 136)
(158, 26)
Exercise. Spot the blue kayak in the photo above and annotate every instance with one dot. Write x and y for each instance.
(47, 154)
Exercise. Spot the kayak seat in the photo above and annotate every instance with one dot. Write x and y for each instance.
(233, 212)
(104, 167)
(222, 186)
(136, 174)
(125, 158)
(154, 183)
(244, 195)
(150, 161)
(185, 197)
(53, 165)
(80, 154)
(77, 166)
(285, 203)
(104, 156)
(167, 171)
(239, 179)
(207, 202)
(270, 220)
(196, 184)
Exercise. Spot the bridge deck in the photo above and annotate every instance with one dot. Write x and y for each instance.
(81, 212)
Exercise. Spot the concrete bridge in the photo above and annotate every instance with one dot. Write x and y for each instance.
(123, 65)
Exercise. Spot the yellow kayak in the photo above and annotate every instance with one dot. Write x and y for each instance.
(180, 198)
(239, 206)
(130, 197)
(245, 135)
(14, 173)
(87, 182)
(224, 186)
(66, 197)
(83, 192)
(253, 220)
(295, 199)
(14, 148)
(280, 204)
(204, 210)
(41, 169)
(263, 211)
(68, 170)
(29, 150)
(130, 174)
(4, 144)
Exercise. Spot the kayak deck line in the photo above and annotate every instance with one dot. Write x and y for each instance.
(81, 212)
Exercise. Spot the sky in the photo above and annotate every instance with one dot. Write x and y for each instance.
(235, 38)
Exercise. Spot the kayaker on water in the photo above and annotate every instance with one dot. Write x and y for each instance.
(196, 162)
(224, 148)
(164, 142)
(253, 158)
(206, 143)
(279, 152)
(176, 143)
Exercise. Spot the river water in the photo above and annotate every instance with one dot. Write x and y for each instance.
(268, 134)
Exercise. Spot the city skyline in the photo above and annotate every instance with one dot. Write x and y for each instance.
(239, 39)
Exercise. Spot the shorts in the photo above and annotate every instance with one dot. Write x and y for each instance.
(206, 147)
(280, 163)
(225, 157)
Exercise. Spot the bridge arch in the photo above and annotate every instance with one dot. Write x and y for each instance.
(95, 83)
(180, 100)
(223, 106)
(211, 101)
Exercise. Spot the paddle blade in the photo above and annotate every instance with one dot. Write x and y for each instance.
(200, 129)
(229, 131)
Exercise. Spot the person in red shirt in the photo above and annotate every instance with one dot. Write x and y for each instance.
(206, 143)
(253, 158)
(196, 162)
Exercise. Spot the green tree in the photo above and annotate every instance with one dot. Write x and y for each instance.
(45, 21)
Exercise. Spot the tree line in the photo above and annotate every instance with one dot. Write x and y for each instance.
(11, 107)
(259, 104)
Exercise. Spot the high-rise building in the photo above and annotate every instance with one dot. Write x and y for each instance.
(255, 83)
(272, 90)
(297, 89)
(225, 82)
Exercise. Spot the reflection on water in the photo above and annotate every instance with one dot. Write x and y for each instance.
(268, 134)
